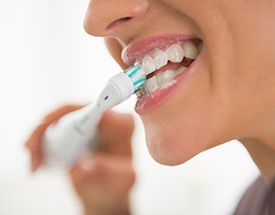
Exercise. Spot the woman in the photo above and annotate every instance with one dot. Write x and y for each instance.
(223, 89)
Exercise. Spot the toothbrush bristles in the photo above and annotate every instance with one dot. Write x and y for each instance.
(137, 75)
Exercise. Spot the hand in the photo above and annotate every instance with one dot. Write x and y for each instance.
(103, 178)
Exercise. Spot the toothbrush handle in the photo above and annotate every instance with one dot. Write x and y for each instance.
(70, 137)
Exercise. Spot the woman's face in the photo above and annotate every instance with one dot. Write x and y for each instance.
(223, 93)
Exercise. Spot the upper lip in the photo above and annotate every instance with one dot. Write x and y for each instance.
(137, 50)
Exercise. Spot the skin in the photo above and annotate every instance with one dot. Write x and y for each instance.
(101, 179)
(227, 98)
(231, 94)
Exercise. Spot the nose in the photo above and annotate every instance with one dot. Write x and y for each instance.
(110, 17)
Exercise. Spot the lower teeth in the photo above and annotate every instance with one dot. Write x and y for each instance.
(160, 80)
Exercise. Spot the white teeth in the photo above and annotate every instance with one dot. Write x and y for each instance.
(148, 64)
(151, 85)
(160, 80)
(181, 70)
(160, 58)
(175, 53)
(164, 77)
(190, 50)
(169, 75)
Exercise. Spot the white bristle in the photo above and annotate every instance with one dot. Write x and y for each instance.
(137, 76)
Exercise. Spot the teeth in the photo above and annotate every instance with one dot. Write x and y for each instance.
(160, 58)
(175, 53)
(151, 85)
(181, 70)
(148, 64)
(190, 50)
(160, 80)
(164, 77)
(169, 75)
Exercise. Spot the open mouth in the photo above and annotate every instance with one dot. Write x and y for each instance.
(162, 66)
(166, 61)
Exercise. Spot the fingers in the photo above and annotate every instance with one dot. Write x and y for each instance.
(116, 132)
(34, 141)
(101, 172)
(34, 147)
(50, 118)
(103, 183)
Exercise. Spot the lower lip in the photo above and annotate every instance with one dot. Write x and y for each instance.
(148, 103)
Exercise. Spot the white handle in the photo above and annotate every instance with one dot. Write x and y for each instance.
(70, 137)
(74, 134)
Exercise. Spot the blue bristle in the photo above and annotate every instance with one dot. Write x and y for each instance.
(139, 81)
(134, 74)
(138, 89)
(127, 70)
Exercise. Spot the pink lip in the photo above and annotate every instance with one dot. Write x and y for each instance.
(139, 49)
(147, 103)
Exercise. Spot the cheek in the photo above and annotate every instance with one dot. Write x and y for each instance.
(181, 138)
(191, 121)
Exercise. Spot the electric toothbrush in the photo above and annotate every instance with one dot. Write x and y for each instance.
(75, 133)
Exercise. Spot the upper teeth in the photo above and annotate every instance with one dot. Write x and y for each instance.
(160, 58)
(174, 53)
(148, 64)
(191, 50)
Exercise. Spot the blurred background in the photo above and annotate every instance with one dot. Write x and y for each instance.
(47, 60)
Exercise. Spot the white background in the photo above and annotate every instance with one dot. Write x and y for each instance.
(46, 60)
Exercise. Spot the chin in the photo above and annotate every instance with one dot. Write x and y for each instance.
(177, 147)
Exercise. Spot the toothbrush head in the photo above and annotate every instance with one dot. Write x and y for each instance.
(121, 87)
(137, 76)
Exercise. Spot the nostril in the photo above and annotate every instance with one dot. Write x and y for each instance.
(118, 21)
(124, 19)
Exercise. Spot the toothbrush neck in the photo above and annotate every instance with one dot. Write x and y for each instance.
(89, 118)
